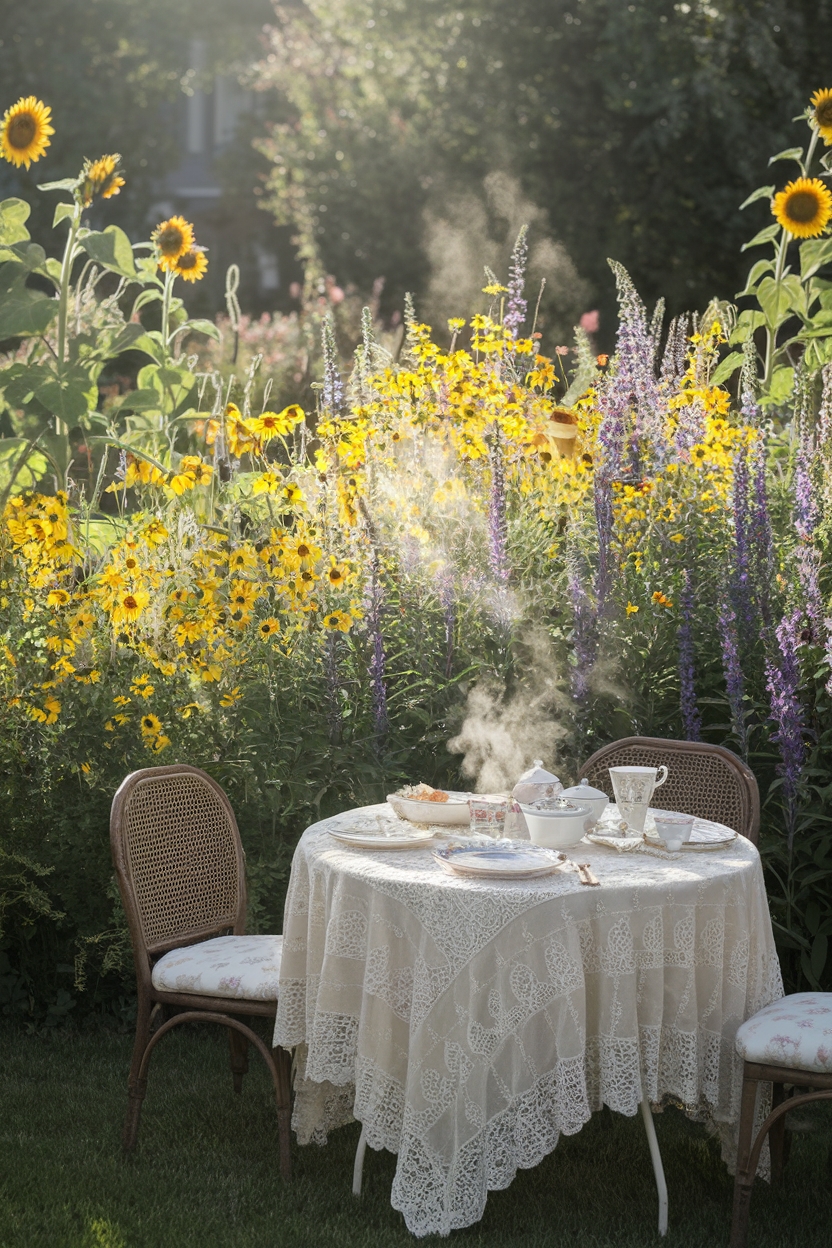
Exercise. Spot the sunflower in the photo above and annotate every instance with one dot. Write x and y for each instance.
(129, 606)
(172, 238)
(101, 177)
(271, 424)
(192, 265)
(822, 117)
(803, 208)
(337, 576)
(338, 620)
(24, 131)
(57, 598)
(269, 627)
(150, 725)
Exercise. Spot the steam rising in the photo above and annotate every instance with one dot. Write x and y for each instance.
(465, 231)
(502, 734)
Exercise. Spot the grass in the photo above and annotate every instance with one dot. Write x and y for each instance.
(205, 1172)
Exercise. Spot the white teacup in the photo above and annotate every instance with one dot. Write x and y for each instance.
(633, 788)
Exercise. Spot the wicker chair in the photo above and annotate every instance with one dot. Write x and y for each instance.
(704, 780)
(787, 1043)
(181, 871)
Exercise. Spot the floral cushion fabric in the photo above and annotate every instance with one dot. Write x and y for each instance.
(795, 1032)
(245, 967)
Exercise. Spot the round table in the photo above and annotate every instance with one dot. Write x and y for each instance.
(467, 1023)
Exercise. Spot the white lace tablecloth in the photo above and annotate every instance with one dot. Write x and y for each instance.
(467, 1023)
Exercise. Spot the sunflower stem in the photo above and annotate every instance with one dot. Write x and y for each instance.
(63, 303)
(813, 142)
(771, 334)
(170, 277)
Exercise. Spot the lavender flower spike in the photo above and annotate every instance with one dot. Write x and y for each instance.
(691, 718)
(332, 395)
(516, 306)
(732, 671)
(783, 681)
(497, 523)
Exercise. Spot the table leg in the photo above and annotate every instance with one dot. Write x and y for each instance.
(358, 1168)
(658, 1168)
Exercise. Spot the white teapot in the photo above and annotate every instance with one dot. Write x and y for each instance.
(536, 784)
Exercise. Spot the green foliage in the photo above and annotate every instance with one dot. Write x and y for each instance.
(637, 128)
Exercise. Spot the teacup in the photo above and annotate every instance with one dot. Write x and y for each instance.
(673, 829)
(633, 788)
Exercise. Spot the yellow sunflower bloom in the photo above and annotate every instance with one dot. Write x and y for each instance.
(172, 239)
(150, 725)
(191, 267)
(25, 130)
(821, 101)
(57, 598)
(240, 437)
(337, 576)
(129, 606)
(243, 594)
(803, 207)
(269, 627)
(101, 177)
(243, 557)
(340, 621)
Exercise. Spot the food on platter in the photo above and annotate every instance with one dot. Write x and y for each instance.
(422, 793)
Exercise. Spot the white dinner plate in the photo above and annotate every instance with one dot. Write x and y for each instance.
(381, 833)
(516, 860)
(453, 813)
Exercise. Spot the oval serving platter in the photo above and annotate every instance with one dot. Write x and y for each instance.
(517, 860)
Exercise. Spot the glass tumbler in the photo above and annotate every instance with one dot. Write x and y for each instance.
(488, 816)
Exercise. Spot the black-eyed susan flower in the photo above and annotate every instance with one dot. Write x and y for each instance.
(821, 103)
(271, 424)
(101, 177)
(337, 576)
(25, 130)
(803, 207)
(172, 239)
(191, 266)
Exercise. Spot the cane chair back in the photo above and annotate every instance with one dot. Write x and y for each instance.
(178, 858)
(703, 780)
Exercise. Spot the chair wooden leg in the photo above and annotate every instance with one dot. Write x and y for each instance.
(238, 1049)
(136, 1083)
(283, 1066)
(744, 1180)
(777, 1136)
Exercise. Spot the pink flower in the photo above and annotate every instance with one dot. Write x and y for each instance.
(589, 321)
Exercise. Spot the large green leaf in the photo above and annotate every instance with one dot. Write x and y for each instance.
(20, 468)
(747, 322)
(814, 253)
(727, 367)
(140, 401)
(762, 192)
(13, 214)
(112, 249)
(201, 327)
(69, 396)
(778, 298)
(24, 313)
(758, 270)
(765, 236)
(780, 387)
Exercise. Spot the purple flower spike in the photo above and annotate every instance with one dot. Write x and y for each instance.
(584, 637)
(732, 671)
(691, 718)
(783, 681)
(332, 395)
(497, 522)
(516, 306)
(741, 580)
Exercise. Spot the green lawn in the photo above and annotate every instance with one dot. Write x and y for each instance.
(205, 1172)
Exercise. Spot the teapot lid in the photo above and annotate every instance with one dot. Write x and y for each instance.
(537, 774)
(584, 789)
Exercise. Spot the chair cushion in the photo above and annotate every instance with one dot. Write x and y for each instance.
(795, 1031)
(244, 967)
